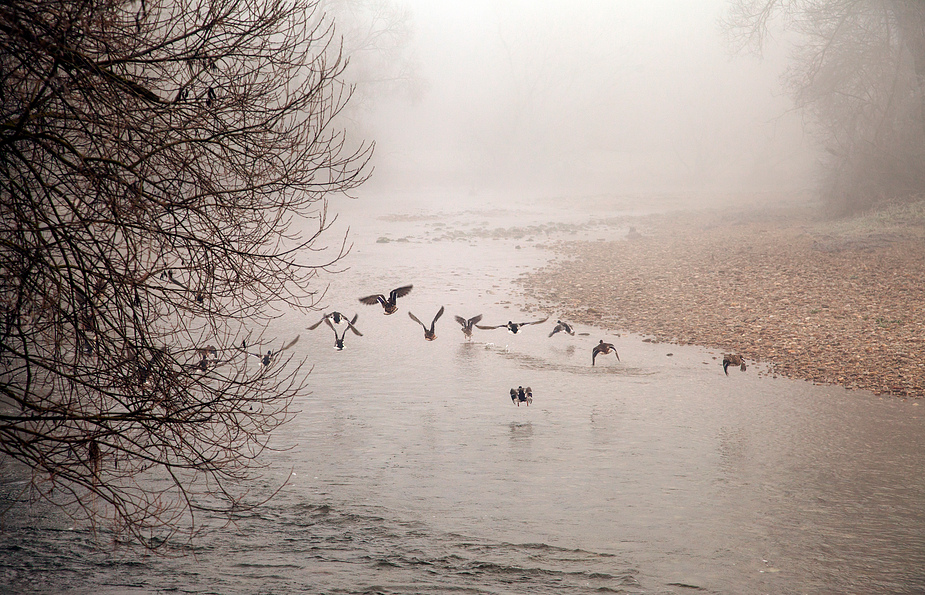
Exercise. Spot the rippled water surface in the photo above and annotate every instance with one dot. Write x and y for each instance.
(414, 473)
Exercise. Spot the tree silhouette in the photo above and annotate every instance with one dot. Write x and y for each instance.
(164, 173)
(859, 74)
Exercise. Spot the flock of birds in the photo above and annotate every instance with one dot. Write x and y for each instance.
(340, 324)
(336, 320)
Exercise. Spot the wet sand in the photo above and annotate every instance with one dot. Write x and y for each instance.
(834, 302)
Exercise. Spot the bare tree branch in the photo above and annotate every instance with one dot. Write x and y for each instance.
(160, 163)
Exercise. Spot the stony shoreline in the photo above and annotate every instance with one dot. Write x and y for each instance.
(828, 302)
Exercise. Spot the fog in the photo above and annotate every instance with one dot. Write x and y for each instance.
(587, 98)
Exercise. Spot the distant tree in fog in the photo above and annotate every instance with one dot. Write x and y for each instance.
(859, 73)
(375, 36)
(160, 163)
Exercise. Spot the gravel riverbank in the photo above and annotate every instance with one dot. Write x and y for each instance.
(828, 302)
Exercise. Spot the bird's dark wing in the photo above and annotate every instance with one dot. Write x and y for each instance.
(415, 318)
(317, 324)
(372, 299)
(400, 292)
(350, 324)
(475, 319)
(462, 321)
(533, 322)
(488, 328)
(555, 330)
(439, 314)
(288, 345)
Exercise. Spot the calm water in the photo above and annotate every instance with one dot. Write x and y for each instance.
(414, 472)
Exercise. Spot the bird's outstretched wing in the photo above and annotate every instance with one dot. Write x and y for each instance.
(372, 299)
(400, 292)
(288, 345)
(415, 318)
(533, 322)
(462, 321)
(350, 324)
(439, 314)
(317, 324)
(485, 327)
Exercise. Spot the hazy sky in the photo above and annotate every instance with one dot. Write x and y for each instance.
(616, 95)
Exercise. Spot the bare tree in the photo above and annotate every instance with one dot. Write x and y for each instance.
(160, 162)
(376, 38)
(859, 73)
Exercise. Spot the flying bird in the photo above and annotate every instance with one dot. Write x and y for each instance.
(388, 305)
(733, 360)
(562, 326)
(339, 339)
(603, 349)
(267, 358)
(337, 317)
(468, 324)
(513, 327)
(208, 357)
(429, 334)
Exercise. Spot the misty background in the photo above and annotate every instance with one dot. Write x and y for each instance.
(556, 97)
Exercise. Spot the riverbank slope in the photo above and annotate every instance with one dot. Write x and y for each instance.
(840, 302)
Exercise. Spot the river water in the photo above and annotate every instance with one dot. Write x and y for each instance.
(413, 472)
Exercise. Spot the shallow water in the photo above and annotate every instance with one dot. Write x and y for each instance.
(413, 472)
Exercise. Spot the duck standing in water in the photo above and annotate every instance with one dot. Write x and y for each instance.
(522, 395)
(603, 349)
(468, 324)
(564, 327)
(388, 305)
(339, 340)
(733, 360)
(512, 327)
(429, 333)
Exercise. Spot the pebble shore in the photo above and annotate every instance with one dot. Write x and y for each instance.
(827, 302)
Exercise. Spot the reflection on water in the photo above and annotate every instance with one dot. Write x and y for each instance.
(414, 472)
(521, 432)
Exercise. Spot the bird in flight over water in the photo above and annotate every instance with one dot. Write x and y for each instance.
(513, 327)
(388, 305)
(733, 360)
(429, 333)
(267, 358)
(562, 326)
(336, 317)
(468, 324)
(339, 339)
(603, 349)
